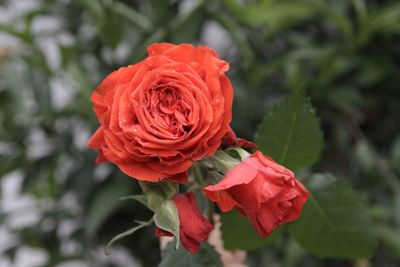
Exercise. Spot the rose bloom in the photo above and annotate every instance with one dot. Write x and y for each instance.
(265, 192)
(194, 228)
(158, 116)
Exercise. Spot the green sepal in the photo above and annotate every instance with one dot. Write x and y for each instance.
(170, 189)
(127, 233)
(166, 218)
(155, 198)
(222, 161)
(238, 153)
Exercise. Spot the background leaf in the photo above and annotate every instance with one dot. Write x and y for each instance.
(206, 257)
(290, 132)
(334, 223)
(239, 233)
(102, 206)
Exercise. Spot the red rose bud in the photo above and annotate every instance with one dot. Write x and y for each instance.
(194, 227)
(159, 115)
(265, 192)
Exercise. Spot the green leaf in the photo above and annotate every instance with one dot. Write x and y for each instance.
(94, 7)
(290, 133)
(342, 22)
(278, 15)
(391, 238)
(132, 15)
(239, 233)
(166, 217)
(102, 206)
(384, 20)
(111, 31)
(334, 223)
(206, 257)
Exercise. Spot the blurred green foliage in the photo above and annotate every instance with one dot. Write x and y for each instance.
(344, 54)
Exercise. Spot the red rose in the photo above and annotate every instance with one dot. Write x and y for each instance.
(161, 114)
(194, 228)
(265, 192)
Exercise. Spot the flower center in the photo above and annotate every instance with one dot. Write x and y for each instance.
(168, 111)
